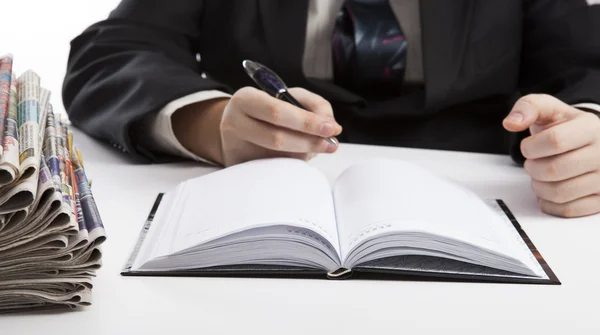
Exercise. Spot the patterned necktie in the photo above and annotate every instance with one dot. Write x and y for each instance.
(369, 49)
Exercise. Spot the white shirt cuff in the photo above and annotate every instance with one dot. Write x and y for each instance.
(161, 129)
(590, 106)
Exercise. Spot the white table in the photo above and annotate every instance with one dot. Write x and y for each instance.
(135, 305)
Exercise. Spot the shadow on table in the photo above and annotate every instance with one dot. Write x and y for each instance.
(54, 310)
(96, 151)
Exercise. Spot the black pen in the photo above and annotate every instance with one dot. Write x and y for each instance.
(270, 82)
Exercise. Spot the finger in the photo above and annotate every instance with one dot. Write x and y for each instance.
(565, 166)
(581, 207)
(279, 139)
(313, 102)
(316, 104)
(561, 192)
(571, 135)
(538, 109)
(261, 106)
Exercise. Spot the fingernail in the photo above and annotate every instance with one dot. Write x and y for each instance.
(331, 148)
(515, 117)
(327, 129)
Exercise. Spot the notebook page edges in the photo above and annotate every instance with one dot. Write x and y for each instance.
(536, 261)
(411, 207)
(428, 267)
(270, 192)
(129, 265)
(154, 227)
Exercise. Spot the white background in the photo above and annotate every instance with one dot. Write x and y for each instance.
(50, 25)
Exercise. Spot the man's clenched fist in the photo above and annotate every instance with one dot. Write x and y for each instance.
(563, 154)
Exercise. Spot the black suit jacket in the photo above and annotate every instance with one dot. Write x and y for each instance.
(479, 57)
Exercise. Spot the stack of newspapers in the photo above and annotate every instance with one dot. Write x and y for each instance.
(50, 228)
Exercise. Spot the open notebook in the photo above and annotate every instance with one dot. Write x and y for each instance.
(382, 218)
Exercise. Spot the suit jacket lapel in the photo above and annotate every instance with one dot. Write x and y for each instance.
(445, 33)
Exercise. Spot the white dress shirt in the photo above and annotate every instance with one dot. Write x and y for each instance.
(317, 63)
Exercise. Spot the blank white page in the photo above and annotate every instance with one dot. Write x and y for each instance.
(255, 194)
(384, 195)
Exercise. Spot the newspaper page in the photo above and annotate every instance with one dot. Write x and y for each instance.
(6, 64)
(89, 211)
(82, 238)
(17, 294)
(51, 151)
(47, 214)
(68, 165)
(53, 218)
(9, 162)
(50, 228)
(46, 185)
(45, 108)
(47, 247)
(45, 189)
(61, 220)
(56, 222)
(3, 219)
(5, 92)
(23, 193)
(79, 262)
(20, 195)
(67, 186)
(26, 232)
(15, 218)
(28, 121)
(64, 163)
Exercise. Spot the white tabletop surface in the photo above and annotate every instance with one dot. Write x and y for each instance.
(125, 192)
(130, 305)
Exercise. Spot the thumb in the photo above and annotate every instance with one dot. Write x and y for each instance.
(538, 112)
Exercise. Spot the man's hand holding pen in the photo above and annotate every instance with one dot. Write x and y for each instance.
(257, 125)
(252, 125)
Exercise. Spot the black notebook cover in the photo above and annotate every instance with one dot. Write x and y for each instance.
(393, 268)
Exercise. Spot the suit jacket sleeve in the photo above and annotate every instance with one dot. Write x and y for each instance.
(131, 65)
(561, 53)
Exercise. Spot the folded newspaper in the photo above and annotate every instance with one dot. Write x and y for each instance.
(50, 228)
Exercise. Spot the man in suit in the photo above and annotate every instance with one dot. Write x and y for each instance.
(160, 79)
